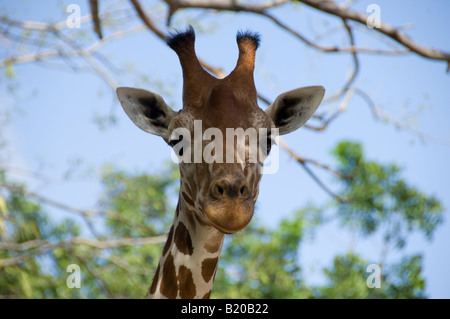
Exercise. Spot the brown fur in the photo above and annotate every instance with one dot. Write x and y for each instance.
(168, 242)
(183, 239)
(169, 285)
(213, 245)
(186, 283)
(209, 267)
(155, 282)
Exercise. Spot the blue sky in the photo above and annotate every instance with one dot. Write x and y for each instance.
(53, 125)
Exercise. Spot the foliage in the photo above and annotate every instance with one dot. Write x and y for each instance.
(135, 206)
(347, 279)
(262, 263)
(381, 200)
(259, 262)
(38, 277)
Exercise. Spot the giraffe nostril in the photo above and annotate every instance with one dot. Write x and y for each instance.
(219, 190)
(244, 191)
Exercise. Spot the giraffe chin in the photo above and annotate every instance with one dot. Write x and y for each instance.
(229, 216)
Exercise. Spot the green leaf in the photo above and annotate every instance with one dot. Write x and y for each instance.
(9, 70)
(3, 215)
(25, 284)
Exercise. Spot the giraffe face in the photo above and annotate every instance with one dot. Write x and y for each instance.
(220, 168)
(221, 193)
(219, 182)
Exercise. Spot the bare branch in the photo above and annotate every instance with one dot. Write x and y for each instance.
(85, 214)
(93, 4)
(59, 52)
(395, 34)
(20, 259)
(263, 11)
(355, 71)
(42, 199)
(342, 107)
(381, 115)
(120, 242)
(31, 244)
(147, 21)
(303, 161)
(355, 58)
(100, 244)
(118, 261)
(34, 248)
(232, 5)
(41, 26)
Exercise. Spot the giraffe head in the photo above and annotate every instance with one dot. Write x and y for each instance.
(220, 174)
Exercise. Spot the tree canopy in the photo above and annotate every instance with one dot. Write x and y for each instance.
(259, 262)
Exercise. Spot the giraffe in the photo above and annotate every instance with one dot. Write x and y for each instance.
(215, 198)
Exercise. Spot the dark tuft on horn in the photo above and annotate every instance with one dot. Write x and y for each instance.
(254, 37)
(181, 39)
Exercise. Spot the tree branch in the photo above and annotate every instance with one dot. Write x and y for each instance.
(345, 13)
(100, 244)
(38, 247)
(42, 199)
(324, 5)
(93, 4)
(342, 107)
(147, 21)
(303, 162)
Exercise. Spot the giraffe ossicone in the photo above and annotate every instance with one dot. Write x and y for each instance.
(217, 196)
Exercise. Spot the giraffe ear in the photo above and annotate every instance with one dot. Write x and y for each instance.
(293, 108)
(147, 110)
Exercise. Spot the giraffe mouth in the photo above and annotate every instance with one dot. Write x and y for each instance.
(229, 216)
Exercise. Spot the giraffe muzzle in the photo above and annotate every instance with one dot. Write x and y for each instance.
(229, 206)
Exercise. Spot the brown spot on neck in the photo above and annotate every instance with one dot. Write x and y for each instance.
(209, 266)
(155, 282)
(214, 243)
(186, 283)
(177, 211)
(183, 239)
(168, 242)
(207, 295)
(169, 285)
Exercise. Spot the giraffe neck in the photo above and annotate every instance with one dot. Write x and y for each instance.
(189, 259)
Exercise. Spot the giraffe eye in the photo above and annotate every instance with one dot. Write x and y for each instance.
(268, 145)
